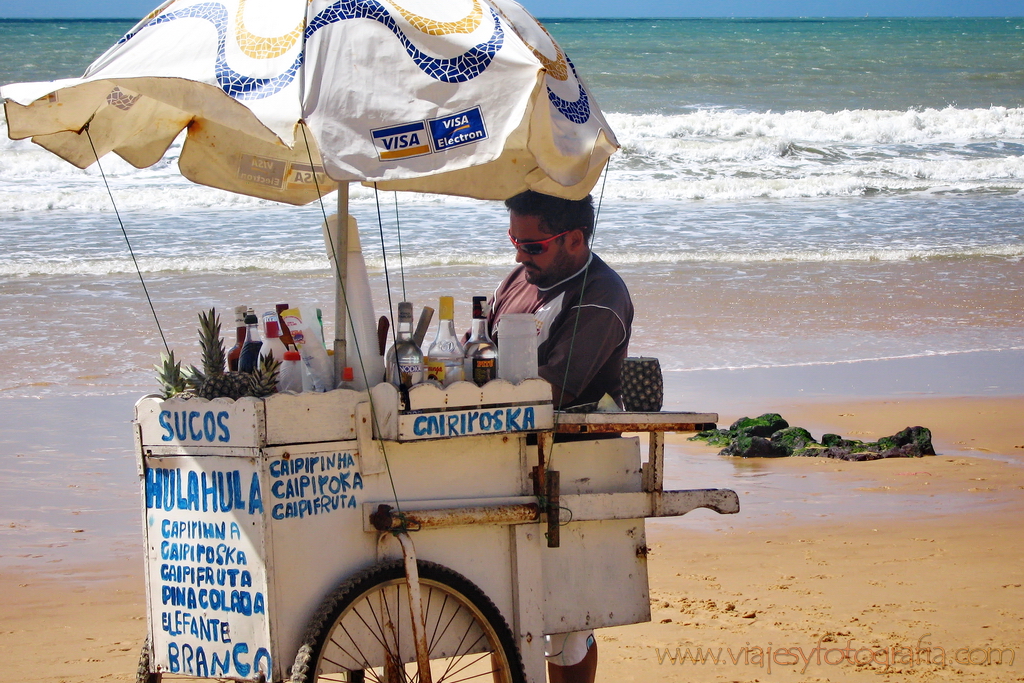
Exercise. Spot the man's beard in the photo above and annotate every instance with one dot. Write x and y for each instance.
(560, 268)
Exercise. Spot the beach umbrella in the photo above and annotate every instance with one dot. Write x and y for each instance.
(290, 99)
(281, 98)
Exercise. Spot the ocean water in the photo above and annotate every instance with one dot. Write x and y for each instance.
(840, 202)
(788, 192)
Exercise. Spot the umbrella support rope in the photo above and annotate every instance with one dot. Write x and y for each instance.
(579, 304)
(401, 256)
(387, 278)
(355, 338)
(124, 232)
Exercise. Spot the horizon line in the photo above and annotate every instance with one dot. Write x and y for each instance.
(639, 18)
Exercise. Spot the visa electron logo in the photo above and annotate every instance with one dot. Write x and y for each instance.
(433, 135)
(457, 129)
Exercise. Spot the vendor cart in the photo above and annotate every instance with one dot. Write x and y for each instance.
(327, 536)
(294, 537)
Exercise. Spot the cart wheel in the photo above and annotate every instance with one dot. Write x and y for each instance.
(363, 631)
(143, 674)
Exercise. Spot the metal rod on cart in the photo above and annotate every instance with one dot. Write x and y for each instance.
(339, 241)
(419, 631)
(388, 519)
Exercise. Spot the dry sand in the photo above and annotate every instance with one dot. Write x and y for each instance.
(930, 592)
(923, 568)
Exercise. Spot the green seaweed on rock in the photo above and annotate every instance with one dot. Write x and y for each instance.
(764, 425)
(770, 436)
(793, 439)
(714, 437)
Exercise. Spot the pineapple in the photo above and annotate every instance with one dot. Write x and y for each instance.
(642, 385)
(212, 382)
(263, 381)
(172, 380)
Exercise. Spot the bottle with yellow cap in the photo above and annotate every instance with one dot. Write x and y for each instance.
(445, 354)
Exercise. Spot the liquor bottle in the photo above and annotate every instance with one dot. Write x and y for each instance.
(290, 374)
(235, 351)
(445, 357)
(405, 360)
(250, 355)
(348, 378)
(481, 355)
(272, 342)
(286, 334)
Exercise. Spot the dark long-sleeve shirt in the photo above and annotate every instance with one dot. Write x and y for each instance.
(581, 342)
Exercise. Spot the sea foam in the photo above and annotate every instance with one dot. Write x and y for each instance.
(706, 154)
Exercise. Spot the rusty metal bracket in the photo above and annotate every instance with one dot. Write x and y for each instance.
(544, 442)
(618, 423)
(387, 519)
(551, 507)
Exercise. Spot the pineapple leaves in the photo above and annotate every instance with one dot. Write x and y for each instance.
(212, 381)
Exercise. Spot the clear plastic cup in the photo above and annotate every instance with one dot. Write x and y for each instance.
(517, 347)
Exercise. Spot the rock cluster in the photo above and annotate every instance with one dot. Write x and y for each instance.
(770, 436)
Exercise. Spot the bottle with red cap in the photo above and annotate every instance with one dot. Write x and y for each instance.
(348, 378)
(272, 342)
(236, 351)
(289, 377)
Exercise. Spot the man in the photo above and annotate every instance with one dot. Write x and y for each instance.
(584, 316)
(581, 339)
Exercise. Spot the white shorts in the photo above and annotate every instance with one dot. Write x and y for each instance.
(566, 649)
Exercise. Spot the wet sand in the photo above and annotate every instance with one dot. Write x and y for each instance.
(825, 558)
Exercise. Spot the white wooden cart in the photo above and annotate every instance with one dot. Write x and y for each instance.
(291, 538)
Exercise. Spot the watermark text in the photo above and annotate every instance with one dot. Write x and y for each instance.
(923, 652)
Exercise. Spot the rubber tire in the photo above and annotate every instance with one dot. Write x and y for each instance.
(433, 577)
(142, 673)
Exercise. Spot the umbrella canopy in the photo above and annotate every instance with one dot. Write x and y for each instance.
(460, 97)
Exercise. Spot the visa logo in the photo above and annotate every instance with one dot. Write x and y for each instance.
(400, 142)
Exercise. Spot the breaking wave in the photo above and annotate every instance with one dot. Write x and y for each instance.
(709, 154)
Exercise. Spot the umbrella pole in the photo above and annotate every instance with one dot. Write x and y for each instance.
(340, 241)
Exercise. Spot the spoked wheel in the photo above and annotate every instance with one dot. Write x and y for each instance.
(363, 631)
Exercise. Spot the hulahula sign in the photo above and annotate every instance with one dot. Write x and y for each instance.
(204, 529)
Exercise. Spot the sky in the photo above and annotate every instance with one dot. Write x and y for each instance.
(135, 9)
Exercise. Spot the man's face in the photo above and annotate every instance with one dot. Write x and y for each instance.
(555, 264)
